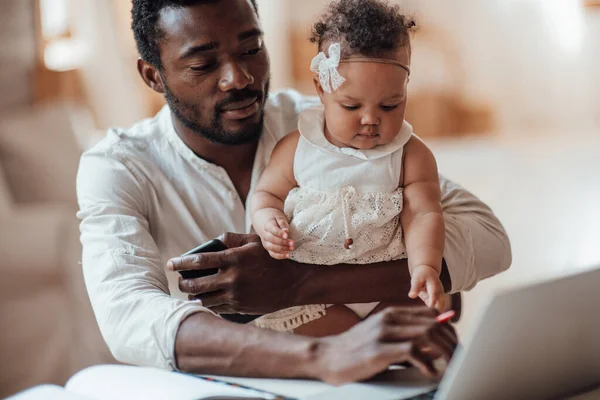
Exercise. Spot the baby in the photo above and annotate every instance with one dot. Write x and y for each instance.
(353, 184)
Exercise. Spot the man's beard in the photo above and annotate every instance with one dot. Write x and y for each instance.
(214, 131)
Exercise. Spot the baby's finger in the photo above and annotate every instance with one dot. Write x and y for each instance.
(416, 286)
(283, 225)
(273, 228)
(269, 237)
(271, 247)
(279, 256)
(435, 291)
(441, 302)
(425, 297)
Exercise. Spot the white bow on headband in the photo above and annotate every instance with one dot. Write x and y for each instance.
(326, 67)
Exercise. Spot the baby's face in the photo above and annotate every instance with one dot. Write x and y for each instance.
(368, 108)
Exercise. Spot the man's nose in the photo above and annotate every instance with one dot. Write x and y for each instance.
(234, 76)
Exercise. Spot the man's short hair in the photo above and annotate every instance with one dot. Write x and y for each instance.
(147, 33)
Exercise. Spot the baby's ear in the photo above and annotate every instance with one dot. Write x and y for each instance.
(318, 86)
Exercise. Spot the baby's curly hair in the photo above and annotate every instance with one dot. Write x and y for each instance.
(368, 27)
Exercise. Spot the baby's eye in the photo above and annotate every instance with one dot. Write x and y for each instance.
(350, 108)
(389, 108)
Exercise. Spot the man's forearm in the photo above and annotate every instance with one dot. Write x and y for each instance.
(354, 283)
(206, 344)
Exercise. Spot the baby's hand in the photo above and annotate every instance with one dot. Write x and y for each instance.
(274, 234)
(426, 285)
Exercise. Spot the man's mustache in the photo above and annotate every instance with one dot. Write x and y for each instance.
(238, 96)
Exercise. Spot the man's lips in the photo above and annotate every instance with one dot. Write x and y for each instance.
(238, 105)
(241, 110)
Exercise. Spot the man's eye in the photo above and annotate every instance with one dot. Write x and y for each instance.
(350, 108)
(204, 67)
(389, 108)
(253, 52)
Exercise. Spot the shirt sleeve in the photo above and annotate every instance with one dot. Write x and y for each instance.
(123, 271)
(477, 246)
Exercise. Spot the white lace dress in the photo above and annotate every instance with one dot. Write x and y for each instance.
(342, 194)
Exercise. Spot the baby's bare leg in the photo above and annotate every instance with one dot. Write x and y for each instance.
(338, 319)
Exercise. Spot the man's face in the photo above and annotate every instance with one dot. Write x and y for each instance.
(215, 69)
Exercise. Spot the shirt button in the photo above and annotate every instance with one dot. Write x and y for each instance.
(232, 194)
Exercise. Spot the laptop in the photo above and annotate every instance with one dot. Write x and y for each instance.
(534, 342)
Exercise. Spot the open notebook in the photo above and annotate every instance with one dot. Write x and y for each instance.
(115, 382)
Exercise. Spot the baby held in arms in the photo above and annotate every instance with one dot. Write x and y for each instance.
(354, 185)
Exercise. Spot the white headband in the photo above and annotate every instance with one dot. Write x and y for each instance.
(326, 67)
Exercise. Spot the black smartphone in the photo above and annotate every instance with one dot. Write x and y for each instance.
(212, 247)
(209, 247)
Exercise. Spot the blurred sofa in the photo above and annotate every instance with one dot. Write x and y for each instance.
(47, 327)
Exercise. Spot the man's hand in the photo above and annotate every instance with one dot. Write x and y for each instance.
(393, 336)
(249, 281)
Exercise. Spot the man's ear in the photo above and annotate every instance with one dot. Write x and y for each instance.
(150, 75)
(318, 87)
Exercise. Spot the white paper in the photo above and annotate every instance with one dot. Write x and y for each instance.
(114, 382)
(47, 392)
(296, 388)
(131, 383)
(394, 384)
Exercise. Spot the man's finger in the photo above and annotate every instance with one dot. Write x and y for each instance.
(436, 345)
(219, 259)
(422, 361)
(409, 315)
(207, 284)
(233, 240)
(400, 333)
(449, 333)
(398, 353)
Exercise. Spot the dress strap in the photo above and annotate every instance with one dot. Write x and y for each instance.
(402, 166)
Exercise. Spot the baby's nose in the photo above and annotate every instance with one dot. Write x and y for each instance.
(370, 119)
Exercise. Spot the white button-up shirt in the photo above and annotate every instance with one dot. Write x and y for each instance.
(145, 197)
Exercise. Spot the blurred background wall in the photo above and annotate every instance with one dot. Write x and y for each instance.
(494, 66)
(506, 92)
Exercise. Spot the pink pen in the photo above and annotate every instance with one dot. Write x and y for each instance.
(445, 317)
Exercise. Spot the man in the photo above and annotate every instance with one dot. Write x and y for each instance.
(150, 193)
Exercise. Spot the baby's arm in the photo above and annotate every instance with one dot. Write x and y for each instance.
(268, 219)
(423, 222)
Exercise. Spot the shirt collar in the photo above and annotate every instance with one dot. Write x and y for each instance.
(311, 126)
